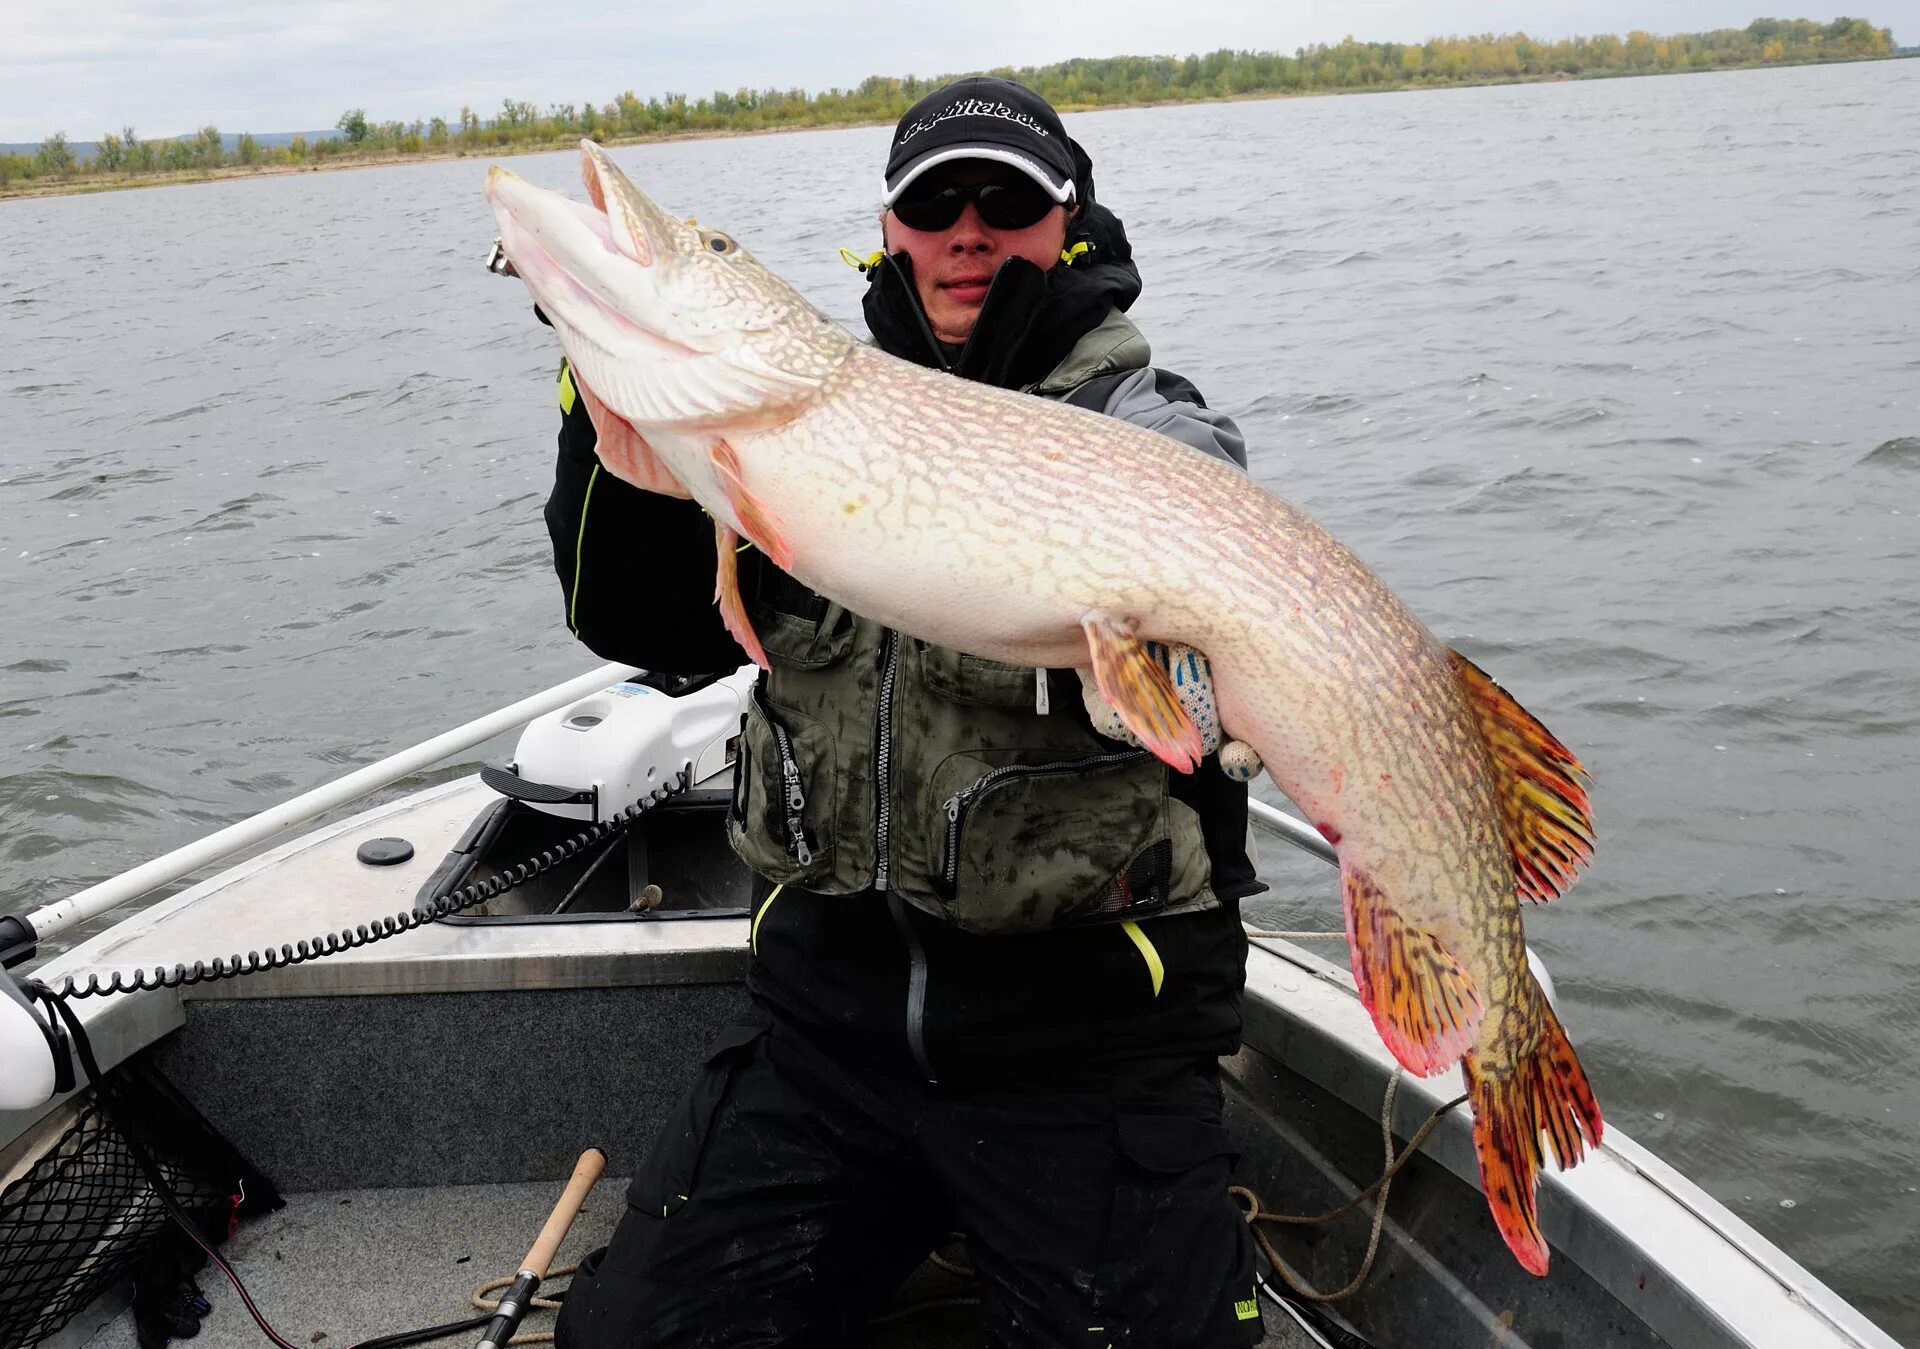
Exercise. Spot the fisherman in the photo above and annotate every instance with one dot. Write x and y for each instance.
(1033, 1060)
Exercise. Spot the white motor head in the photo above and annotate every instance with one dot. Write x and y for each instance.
(26, 1056)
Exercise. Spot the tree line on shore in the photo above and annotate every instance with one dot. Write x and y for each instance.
(1069, 85)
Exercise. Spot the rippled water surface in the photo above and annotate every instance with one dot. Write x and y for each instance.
(1617, 383)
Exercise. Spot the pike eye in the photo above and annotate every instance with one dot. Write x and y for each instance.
(719, 242)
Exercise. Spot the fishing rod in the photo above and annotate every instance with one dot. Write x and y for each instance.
(515, 1301)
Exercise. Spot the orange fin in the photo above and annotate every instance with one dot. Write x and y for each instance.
(1422, 1002)
(1547, 1093)
(761, 529)
(1138, 688)
(1541, 787)
(726, 593)
(626, 455)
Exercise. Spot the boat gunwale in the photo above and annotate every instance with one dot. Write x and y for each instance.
(1302, 1010)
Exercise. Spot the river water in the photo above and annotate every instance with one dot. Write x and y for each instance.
(1617, 383)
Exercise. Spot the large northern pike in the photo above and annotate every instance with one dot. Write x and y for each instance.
(1032, 532)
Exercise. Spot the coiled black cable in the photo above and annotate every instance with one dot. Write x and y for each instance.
(365, 934)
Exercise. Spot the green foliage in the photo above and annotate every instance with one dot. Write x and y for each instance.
(55, 157)
(1069, 85)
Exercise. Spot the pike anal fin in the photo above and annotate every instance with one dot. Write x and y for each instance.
(726, 593)
(1423, 1003)
(1546, 1093)
(756, 521)
(1542, 788)
(1138, 688)
(622, 449)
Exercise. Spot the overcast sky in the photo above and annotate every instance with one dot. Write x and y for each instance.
(170, 66)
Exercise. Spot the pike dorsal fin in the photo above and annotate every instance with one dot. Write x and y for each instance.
(1540, 785)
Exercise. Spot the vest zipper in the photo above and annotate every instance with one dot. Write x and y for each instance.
(883, 766)
(796, 797)
(961, 802)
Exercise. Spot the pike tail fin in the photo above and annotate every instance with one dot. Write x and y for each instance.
(1547, 1093)
(1422, 1002)
(1541, 788)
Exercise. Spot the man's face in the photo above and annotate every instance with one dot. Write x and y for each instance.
(952, 267)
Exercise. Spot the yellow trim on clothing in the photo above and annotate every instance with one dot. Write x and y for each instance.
(567, 393)
(579, 549)
(753, 934)
(1147, 953)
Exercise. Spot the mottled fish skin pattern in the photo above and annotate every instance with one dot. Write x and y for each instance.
(993, 522)
(989, 521)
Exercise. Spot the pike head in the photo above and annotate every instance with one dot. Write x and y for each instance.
(674, 327)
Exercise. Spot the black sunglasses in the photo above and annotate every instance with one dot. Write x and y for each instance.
(1003, 206)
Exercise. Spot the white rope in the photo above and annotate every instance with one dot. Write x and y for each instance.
(1253, 931)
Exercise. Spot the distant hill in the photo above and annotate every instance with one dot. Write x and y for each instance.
(85, 150)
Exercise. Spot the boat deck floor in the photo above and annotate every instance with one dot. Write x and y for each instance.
(335, 1267)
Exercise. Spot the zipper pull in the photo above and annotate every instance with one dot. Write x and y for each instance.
(1042, 695)
(801, 852)
(953, 808)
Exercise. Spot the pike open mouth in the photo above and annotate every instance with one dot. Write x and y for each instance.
(558, 269)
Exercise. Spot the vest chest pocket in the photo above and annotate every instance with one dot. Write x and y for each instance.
(1031, 845)
(977, 682)
(781, 823)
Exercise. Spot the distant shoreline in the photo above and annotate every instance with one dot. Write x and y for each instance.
(88, 184)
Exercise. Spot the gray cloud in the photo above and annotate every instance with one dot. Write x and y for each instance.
(174, 65)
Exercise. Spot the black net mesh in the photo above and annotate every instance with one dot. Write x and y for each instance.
(77, 1213)
(1144, 886)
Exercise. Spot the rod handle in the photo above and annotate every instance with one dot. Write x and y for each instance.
(585, 1172)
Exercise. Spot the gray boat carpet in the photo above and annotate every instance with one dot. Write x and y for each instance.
(337, 1267)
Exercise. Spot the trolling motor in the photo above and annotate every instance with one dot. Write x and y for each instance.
(36, 1062)
(621, 744)
(602, 759)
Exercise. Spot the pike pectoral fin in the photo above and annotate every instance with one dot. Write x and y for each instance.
(1137, 687)
(1546, 1092)
(726, 593)
(761, 529)
(1541, 787)
(622, 449)
(1422, 1002)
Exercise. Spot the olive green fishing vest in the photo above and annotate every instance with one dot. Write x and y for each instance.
(973, 790)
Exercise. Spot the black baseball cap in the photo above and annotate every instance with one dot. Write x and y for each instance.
(982, 118)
